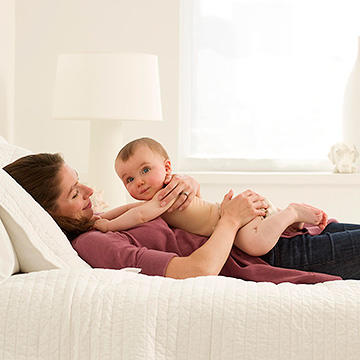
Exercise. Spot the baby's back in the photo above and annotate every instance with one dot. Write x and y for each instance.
(200, 217)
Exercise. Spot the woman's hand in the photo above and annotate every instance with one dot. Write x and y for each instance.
(182, 187)
(243, 208)
(210, 258)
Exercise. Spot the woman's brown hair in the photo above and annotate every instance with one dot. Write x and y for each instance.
(38, 175)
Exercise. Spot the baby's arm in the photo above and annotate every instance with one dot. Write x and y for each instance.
(260, 235)
(128, 216)
(114, 213)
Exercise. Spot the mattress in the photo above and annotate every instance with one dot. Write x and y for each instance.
(112, 314)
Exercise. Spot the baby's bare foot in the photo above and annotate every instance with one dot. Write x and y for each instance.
(298, 226)
(306, 214)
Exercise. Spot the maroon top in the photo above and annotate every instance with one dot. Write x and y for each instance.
(152, 245)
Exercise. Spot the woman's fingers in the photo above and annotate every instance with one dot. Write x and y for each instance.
(183, 201)
(229, 195)
(166, 193)
(181, 188)
(242, 208)
(172, 190)
(257, 201)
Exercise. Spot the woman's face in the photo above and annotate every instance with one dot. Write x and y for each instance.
(74, 200)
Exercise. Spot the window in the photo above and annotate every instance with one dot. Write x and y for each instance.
(262, 82)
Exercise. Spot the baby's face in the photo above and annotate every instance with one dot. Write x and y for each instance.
(143, 174)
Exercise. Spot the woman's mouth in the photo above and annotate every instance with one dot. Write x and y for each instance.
(88, 206)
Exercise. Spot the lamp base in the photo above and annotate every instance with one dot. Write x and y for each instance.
(105, 142)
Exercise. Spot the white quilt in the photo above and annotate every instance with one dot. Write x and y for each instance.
(109, 314)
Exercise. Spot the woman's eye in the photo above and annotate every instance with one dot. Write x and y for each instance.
(145, 170)
(129, 179)
(76, 194)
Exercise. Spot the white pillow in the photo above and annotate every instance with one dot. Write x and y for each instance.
(10, 153)
(38, 241)
(8, 260)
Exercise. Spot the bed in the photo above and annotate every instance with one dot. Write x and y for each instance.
(55, 306)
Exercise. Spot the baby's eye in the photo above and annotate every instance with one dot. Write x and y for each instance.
(145, 170)
(129, 180)
(75, 194)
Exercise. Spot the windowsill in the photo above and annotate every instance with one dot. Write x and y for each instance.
(278, 178)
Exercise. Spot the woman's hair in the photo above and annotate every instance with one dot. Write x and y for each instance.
(39, 175)
(128, 150)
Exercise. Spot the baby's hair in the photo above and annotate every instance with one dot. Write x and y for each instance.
(129, 149)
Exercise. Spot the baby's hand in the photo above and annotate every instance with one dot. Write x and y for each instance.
(101, 224)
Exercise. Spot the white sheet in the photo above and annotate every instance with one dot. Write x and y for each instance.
(108, 314)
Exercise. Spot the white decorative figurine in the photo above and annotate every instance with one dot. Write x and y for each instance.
(97, 199)
(344, 157)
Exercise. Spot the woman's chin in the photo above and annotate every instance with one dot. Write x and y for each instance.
(88, 214)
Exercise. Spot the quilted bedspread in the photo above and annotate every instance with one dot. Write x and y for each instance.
(109, 314)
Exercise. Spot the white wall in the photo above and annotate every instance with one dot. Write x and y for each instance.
(337, 194)
(7, 63)
(45, 28)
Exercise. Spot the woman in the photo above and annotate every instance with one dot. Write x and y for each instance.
(159, 250)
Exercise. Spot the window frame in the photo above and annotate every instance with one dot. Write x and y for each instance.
(187, 162)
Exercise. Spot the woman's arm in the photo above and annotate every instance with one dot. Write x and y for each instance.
(211, 257)
(128, 216)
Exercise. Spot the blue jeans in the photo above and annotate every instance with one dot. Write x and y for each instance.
(335, 251)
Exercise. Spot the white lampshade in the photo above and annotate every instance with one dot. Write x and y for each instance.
(105, 88)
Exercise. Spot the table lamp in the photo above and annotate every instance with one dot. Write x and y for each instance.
(105, 88)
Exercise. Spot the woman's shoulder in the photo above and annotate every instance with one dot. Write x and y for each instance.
(94, 236)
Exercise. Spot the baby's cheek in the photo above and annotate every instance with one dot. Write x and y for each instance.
(129, 190)
(158, 179)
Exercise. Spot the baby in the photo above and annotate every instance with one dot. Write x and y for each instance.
(144, 167)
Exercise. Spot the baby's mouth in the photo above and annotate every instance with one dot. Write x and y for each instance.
(144, 191)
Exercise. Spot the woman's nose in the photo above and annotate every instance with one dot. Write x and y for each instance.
(88, 191)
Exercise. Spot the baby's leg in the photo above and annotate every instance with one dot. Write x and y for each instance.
(260, 235)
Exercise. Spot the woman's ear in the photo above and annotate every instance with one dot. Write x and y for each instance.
(168, 167)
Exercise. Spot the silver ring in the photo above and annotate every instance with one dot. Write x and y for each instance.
(185, 193)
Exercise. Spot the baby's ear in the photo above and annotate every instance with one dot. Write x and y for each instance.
(168, 166)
